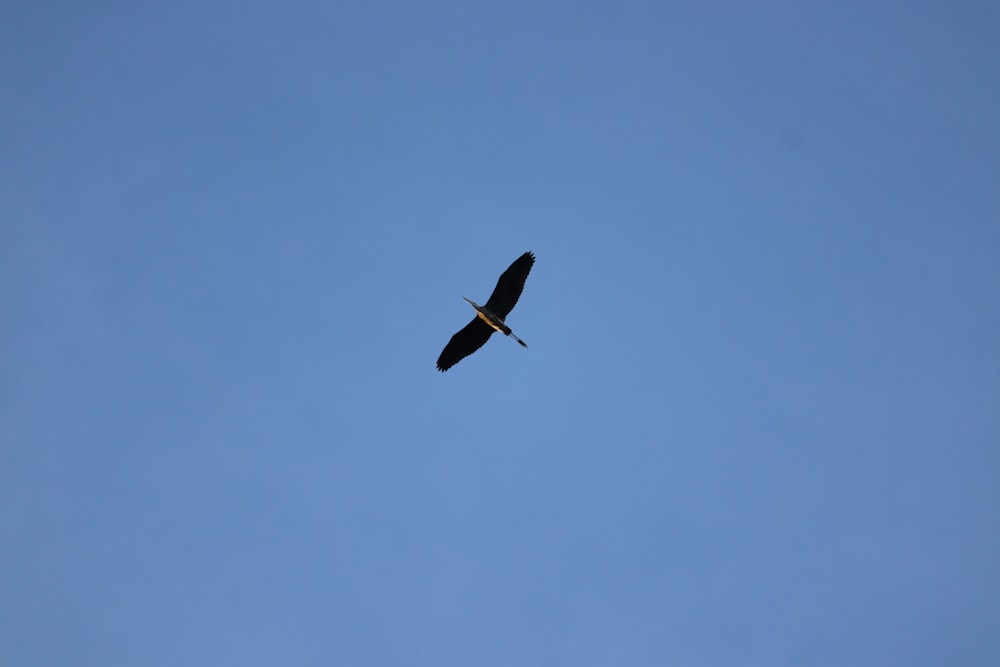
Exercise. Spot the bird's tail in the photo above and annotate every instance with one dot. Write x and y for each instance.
(523, 344)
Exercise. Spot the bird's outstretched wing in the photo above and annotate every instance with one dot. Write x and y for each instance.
(465, 342)
(510, 286)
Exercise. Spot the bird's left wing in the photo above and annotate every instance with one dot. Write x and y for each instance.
(510, 286)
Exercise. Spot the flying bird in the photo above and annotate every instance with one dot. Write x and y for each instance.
(489, 318)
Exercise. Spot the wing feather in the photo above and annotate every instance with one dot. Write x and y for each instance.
(510, 285)
(469, 339)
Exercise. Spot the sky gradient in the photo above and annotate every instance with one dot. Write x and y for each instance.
(758, 420)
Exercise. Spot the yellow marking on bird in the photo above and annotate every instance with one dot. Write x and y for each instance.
(488, 321)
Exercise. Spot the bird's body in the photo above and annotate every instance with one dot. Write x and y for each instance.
(489, 317)
(495, 323)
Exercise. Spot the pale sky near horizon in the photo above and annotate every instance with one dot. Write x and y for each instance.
(758, 420)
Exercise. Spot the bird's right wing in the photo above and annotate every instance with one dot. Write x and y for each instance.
(471, 337)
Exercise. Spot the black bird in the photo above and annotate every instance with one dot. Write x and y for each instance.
(489, 318)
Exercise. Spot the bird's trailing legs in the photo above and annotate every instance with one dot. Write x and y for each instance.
(523, 344)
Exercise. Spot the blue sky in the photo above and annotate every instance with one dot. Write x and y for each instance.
(757, 422)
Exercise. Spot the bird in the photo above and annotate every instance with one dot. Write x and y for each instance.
(489, 317)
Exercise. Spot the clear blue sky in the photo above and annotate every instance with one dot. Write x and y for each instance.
(758, 421)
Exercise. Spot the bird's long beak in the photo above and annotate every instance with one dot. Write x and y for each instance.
(471, 302)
